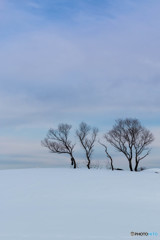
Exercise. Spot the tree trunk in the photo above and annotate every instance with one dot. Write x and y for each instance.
(89, 162)
(136, 166)
(112, 165)
(75, 165)
(130, 164)
(73, 162)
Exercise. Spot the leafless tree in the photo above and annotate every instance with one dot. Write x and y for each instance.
(57, 141)
(132, 139)
(107, 153)
(87, 137)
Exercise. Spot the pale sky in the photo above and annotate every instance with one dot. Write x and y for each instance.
(71, 61)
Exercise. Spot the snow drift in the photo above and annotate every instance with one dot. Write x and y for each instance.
(81, 204)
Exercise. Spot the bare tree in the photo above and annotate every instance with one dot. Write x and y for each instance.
(129, 137)
(57, 141)
(87, 137)
(108, 155)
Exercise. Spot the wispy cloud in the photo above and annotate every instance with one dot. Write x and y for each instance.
(34, 5)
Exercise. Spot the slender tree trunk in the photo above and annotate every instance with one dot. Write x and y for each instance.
(73, 162)
(109, 156)
(110, 160)
(130, 164)
(136, 166)
(89, 162)
(112, 164)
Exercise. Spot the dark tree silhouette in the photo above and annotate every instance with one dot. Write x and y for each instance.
(107, 153)
(129, 137)
(57, 141)
(87, 137)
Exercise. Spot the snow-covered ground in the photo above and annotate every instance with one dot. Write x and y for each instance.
(81, 204)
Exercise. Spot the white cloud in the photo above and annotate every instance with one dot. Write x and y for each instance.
(34, 5)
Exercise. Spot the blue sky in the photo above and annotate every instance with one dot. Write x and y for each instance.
(68, 61)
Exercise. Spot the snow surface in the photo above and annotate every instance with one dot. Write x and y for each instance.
(78, 204)
(155, 170)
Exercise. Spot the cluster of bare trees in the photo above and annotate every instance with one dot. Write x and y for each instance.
(127, 136)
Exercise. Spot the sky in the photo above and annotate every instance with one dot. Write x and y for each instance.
(67, 61)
